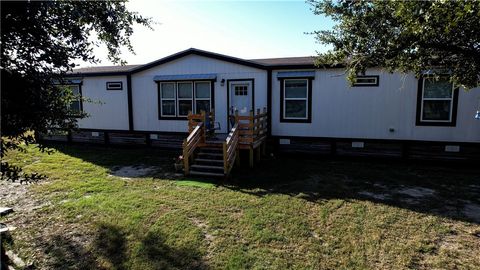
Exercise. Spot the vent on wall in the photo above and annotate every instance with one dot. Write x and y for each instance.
(452, 148)
(114, 86)
(370, 80)
(284, 141)
(358, 144)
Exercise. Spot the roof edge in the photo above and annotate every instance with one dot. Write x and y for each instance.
(98, 74)
(194, 51)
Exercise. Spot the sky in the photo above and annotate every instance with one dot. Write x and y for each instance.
(244, 29)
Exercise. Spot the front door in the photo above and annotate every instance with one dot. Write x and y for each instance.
(240, 98)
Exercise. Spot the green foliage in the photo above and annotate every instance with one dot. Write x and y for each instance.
(405, 36)
(40, 42)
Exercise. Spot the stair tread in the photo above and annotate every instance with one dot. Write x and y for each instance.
(211, 148)
(209, 160)
(206, 173)
(210, 154)
(207, 167)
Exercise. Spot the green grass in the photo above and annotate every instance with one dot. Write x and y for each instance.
(287, 213)
(194, 183)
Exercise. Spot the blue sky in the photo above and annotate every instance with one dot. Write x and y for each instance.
(245, 29)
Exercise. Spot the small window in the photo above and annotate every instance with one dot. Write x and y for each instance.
(203, 97)
(76, 104)
(295, 102)
(114, 86)
(366, 81)
(437, 101)
(241, 90)
(167, 93)
(185, 98)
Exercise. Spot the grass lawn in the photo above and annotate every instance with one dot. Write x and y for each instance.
(108, 208)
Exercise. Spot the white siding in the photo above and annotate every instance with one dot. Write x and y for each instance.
(369, 112)
(107, 109)
(145, 93)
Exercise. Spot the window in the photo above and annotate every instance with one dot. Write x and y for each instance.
(366, 81)
(168, 98)
(241, 90)
(437, 102)
(76, 104)
(176, 99)
(295, 100)
(185, 98)
(114, 86)
(202, 97)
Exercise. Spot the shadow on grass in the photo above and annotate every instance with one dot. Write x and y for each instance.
(116, 158)
(444, 189)
(157, 254)
(110, 246)
(65, 253)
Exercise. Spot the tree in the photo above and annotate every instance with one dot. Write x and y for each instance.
(404, 36)
(39, 43)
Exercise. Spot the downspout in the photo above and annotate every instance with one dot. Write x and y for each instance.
(269, 102)
(129, 100)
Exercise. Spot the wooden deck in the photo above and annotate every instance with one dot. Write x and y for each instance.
(203, 148)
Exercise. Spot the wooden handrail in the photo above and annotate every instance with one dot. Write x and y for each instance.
(194, 119)
(252, 128)
(230, 149)
(189, 145)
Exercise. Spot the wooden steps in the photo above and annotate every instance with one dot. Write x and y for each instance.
(208, 167)
(210, 154)
(208, 162)
(201, 173)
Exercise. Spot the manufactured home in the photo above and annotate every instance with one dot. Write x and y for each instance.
(289, 103)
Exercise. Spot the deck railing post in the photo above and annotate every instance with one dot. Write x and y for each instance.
(264, 119)
(237, 156)
(236, 117)
(148, 140)
(258, 120)
(225, 159)
(202, 113)
(190, 125)
(251, 157)
(186, 158)
(106, 138)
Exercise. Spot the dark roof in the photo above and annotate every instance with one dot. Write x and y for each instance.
(103, 69)
(304, 60)
(290, 62)
(201, 53)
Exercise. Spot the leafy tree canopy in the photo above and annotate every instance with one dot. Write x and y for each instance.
(40, 40)
(405, 36)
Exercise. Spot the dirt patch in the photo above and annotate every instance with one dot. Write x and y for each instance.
(18, 197)
(209, 238)
(377, 196)
(458, 247)
(416, 192)
(472, 211)
(127, 172)
(51, 242)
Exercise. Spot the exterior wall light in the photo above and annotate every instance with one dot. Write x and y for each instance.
(222, 82)
(477, 114)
